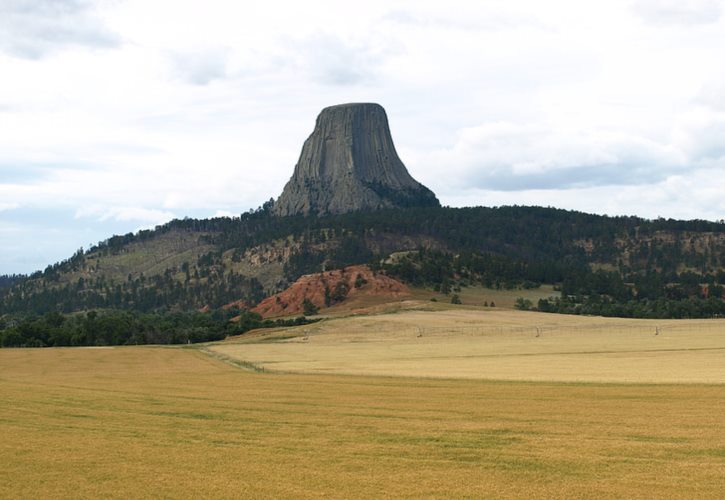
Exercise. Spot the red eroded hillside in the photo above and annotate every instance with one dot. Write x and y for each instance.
(330, 288)
(239, 304)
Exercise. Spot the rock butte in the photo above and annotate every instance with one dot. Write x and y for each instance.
(348, 164)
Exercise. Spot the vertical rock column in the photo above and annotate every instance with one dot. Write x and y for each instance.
(349, 163)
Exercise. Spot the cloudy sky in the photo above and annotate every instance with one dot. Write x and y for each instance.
(122, 114)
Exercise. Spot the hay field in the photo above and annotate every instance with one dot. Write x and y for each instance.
(174, 422)
(495, 344)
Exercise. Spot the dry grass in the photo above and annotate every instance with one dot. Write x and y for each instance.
(148, 257)
(495, 344)
(478, 295)
(172, 422)
(420, 298)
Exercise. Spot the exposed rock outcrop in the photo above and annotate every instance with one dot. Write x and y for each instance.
(349, 163)
(329, 288)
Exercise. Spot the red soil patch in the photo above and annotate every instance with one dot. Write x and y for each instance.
(239, 304)
(358, 280)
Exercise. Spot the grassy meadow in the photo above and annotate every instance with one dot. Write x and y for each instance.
(426, 299)
(175, 422)
(443, 341)
(480, 296)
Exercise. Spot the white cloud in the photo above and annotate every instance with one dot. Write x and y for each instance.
(34, 29)
(200, 66)
(507, 156)
(678, 196)
(125, 214)
(8, 206)
(611, 107)
(332, 60)
(700, 132)
(678, 12)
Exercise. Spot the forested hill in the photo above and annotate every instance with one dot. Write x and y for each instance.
(8, 280)
(192, 263)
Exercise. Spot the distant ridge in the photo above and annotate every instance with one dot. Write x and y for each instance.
(349, 164)
(189, 264)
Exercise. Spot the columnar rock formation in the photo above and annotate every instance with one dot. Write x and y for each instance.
(349, 163)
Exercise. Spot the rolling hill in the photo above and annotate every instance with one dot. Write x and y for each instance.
(194, 263)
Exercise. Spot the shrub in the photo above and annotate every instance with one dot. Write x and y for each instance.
(309, 308)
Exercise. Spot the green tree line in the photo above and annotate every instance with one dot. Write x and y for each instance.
(106, 328)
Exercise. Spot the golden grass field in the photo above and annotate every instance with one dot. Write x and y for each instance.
(494, 344)
(188, 422)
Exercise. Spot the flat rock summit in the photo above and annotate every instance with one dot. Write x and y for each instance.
(348, 164)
